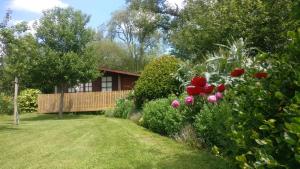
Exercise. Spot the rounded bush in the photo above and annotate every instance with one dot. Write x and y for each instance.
(157, 80)
(160, 117)
(28, 100)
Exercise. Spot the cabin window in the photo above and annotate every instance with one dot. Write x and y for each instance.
(89, 87)
(81, 88)
(71, 90)
(106, 83)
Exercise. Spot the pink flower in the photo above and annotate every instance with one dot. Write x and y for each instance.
(175, 104)
(189, 100)
(219, 95)
(212, 99)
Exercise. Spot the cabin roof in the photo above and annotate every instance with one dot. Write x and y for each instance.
(119, 72)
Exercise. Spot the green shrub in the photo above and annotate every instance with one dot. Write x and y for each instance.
(213, 124)
(6, 104)
(257, 122)
(156, 80)
(28, 100)
(266, 116)
(124, 108)
(160, 117)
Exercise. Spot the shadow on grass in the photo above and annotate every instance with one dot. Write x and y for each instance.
(191, 161)
(40, 117)
(8, 128)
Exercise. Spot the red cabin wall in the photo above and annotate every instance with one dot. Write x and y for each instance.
(127, 82)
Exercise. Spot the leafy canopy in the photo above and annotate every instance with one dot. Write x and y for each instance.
(66, 58)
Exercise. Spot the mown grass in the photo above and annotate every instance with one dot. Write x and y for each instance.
(88, 141)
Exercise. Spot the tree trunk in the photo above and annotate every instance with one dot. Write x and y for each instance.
(16, 114)
(61, 103)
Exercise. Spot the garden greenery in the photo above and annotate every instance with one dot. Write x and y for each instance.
(28, 100)
(156, 80)
(124, 108)
(159, 117)
(244, 108)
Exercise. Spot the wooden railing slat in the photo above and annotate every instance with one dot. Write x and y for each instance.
(79, 102)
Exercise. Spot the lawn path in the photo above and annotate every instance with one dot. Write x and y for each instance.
(79, 142)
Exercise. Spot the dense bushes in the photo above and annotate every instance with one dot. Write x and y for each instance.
(246, 109)
(156, 80)
(160, 117)
(28, 100)
(6, 104)
(123, 108)
(256, 124)
(212, 124)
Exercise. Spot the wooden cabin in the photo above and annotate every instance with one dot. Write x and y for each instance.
(111, 80)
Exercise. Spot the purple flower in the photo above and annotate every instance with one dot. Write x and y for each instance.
(175, 104)
(212, 99)
(219, 95)
(189, 100)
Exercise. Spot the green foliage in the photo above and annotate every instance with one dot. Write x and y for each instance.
(262, 120)
(28, 100)
(19, 50)
(6, 104)
(256, 123)
(137, 30)
(112, 55)
(160, 117)
(213, 124)
(64, 30)
(124, 108)
(157, 80)
(203, 24)
(65, 57)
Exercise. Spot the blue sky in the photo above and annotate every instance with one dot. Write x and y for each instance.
(30, 10)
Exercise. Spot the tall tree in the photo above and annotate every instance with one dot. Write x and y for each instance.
(137, 29)
(65, 59)
(20, 48)
(113, 55)
(3, 27)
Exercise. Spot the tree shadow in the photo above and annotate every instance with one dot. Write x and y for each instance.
(196, 160)
(41, 117)
(8, 128)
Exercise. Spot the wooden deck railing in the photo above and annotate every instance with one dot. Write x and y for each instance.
(79, 102)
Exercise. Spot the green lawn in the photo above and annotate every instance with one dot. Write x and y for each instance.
(87, 141)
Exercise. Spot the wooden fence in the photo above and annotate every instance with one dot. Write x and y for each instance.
(79, 102)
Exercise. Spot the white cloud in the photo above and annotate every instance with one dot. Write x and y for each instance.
(179, 3)
(32, 24)
(36, 6)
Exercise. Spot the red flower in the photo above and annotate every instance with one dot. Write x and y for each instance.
(202, 91)
(193, 90)
(209, 89)
(221, 88)
(198, 81)
(237, 72)
(261, 75)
